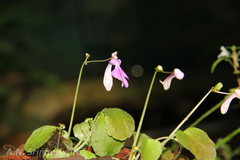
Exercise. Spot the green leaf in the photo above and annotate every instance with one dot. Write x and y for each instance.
(39, 137)
(197, 142)
(81, 130)
(119, 124)
(87, 154)
(150, 149)
(102, 143)
(216, 63)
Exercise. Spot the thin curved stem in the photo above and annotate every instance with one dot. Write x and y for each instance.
(84, 143)
(97, 61)
(227, 138)
(77, 88)
(75, 98)
(166, 72)
(207, 113)
(160, 138)
(132, 154)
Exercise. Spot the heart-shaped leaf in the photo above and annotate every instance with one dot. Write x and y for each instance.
(119, 124)
(102, 143)
(39, 137)
(150, 148)
(197, 142)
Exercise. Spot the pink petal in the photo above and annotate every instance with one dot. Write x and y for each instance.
(115, 62)
(178, 73)
(119, 74)
(167, 82)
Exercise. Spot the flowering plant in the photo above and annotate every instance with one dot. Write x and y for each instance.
(107, 132)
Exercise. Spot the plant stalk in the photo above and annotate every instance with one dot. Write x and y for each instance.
(75, 98)
(83, 143)
(235, 63)
(207, 113)
(227, 138)
(77, 88)
(132, 154)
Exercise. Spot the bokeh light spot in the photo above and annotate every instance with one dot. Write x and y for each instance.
(137, 70)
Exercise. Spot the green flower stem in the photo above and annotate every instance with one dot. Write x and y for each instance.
(227, 138)
(80, 144)
(207, 113)
(133, 152)
(160, 138)
(76, 147)
(185, 119)
(76, 94)
(98, 61)
(77, 88)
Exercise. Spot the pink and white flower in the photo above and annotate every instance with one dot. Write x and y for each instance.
(117, 73)
(167, 82)
(226, 104)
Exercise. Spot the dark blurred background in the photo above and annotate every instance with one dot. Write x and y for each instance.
(43, 44)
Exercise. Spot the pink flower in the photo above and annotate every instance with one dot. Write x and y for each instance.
(167, 82)
(223, 53)
(225, 105)
(117, 73)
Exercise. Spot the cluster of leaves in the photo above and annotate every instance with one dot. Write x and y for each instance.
(110, 128)
(193, 139)
(107, 133)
